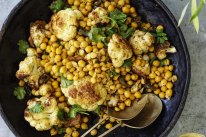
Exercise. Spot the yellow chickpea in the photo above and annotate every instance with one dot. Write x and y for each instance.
(88, 49)
(152, 75)
(21, 83)
(171, 67)
(84, 44)
(168, 74)
(61, 99)
(70, 76)
(108, 126)
(163, 82)
(117, 109)
(138, 95)
(58, 94)
(81, 63)
(85, 119)
(106, 4)
(84, 126)
(128, 77)
(127, 94)
(134, 25)
(157, 91)
(162, 95)
(128, 102)
(163, 89)
(93, 132)
(75, 134)
(156, 63)
(158, 79)
(169, 85)
(125, 10)
(121, 3)
(69, 130)
(169, 93)
(111, 8)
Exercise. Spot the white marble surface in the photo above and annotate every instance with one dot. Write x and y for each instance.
(193, 118)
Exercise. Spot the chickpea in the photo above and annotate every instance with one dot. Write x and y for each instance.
(134, 77)
(168, 74)
(134, 25)
(21, 83)
(53, 132)
(132, 10)
(132, 97)
(117, 109)
(75, 133)
(70, 76)
(61, 99)
(88, 49)
(74, 46)
(93, 132)
(108, 126)
(163, 89)
(81, 74)
(100, 45)
(161, 69)
(63, 70)
(81, 63)
(162, 95)
(157, 91)
(121, 3)
(76, 2)
(84, 126)
(169, 85)
(85, 119)
(127, 94)
(111, 8)
(171, 67)
(169, 93)
(125, 10)
(128, 102)
(138, 95)
(152, 75)
(84, 44)
(88, 7)
(158, 79)
(174, 78)
(70, 2)
(69, 130)
(156, 63)
(43, 46)
(127, 77)
(53, 38)
(58, 94)
(163, 82)
(130, 82)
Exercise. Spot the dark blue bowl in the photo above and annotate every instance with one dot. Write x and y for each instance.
(16, 28)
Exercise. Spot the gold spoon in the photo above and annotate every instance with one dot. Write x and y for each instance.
(145, 118)
(127, 114)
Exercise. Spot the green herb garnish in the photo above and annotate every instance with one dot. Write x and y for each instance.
(37, 108)
(127, 63)
(65, 82)
(57, 5)
(23, 46)
(76, 109)
(112, 73)
(19, 92)
(97, 35)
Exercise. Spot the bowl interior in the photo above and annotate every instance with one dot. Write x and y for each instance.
(17, 27)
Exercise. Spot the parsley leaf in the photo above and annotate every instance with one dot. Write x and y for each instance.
(112, 73)
(61, 115)
(161, 37)
(127, 63)
(126, 34)
(37, 108)
(97, 35)
(118, 16)
(19, 92)
(98, 110)
(57, 5)
(65, 82)
(60, 130)
(76, 109)
(23, 46)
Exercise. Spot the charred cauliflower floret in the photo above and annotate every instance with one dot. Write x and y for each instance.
(64, 23)
(163, 49)
(37, 33)
(41, 113)
(141, 41)
(141, 66)
(119, 50)
(30, 71)
(99, 15)
(44, 90)
(85, 94)
(31, 52)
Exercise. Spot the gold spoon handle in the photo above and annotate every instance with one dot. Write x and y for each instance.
(111, 129)
(88, 131)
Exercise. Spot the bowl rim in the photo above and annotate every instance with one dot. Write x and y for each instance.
(183, 42)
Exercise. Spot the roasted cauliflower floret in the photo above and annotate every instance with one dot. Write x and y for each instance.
(30, 71)
(98, 15)
(113, 101)
(141, 66)
(163, 49)
(141, 41)
(119, 50)
(64, 23)
(37, 33)
(85, 94)
(41, 113)
(31, 52)
(44, 90)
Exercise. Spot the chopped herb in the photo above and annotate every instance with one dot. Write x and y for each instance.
(98, 110)
(162, 63)
(77, 109)
(112, 73)
(152, 60)
(97, 35)
(161, 37)
(118, 16)
(65, 82)
(126, 34)
(37, 108)
(127, 63)
(23, 46)
(19, 92)
(57, 5)
(60, 130)
(62, 115)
